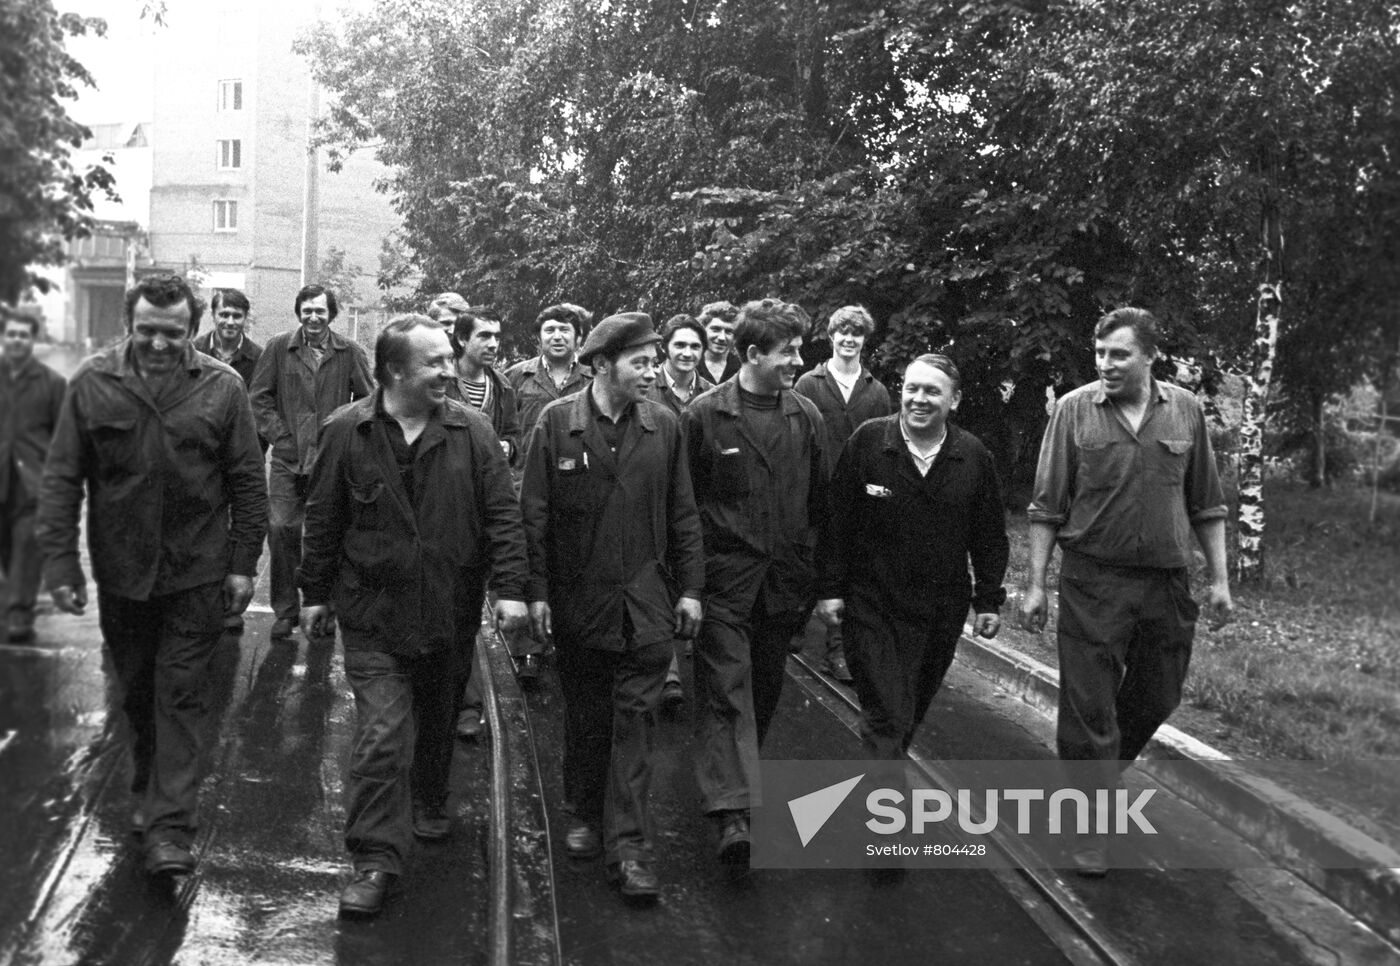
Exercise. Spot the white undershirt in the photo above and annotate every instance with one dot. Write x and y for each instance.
(846, 384)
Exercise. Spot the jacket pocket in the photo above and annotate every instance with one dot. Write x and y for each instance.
(114, 441)
(366, 505)
(729, 474)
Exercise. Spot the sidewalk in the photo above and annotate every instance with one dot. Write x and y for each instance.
(1311, 820)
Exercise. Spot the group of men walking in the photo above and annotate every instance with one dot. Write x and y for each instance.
(625, 508)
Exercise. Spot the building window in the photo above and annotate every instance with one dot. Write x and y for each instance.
(231, 154)
(226, 216)
(230, 95)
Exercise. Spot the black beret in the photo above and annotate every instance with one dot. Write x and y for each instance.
(626, 330)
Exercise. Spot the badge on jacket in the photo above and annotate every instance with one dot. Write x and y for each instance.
(567, 464)
(875, 489)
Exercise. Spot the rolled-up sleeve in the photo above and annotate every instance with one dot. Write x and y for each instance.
(1054, 472)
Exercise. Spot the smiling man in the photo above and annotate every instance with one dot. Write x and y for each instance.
(302, 377)
(720, 362)
(555, 372)
(161, 438)
(758, 459)
(914, 501)
(411, 512)
(1126, 474)
(228, 340)
(611, 523)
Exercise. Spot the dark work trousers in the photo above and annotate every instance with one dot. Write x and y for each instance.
(19, 556)
(404, 711)
(610, 700)
(739, 668)
(160, 650)
(1125, 643)
(286, 512)
(898, 664)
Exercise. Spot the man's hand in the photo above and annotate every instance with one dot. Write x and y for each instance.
(689, 614)
(238, 592)
(829, 611)
(512, 616)
(70, 600)
(1220, 606)
(318, 620)
(541, 622)
(1034, 608)
(986, 625)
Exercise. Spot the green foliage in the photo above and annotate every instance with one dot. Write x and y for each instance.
(44, 198)
(341, 276)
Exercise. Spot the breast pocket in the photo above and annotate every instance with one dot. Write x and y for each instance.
(367, 505)
(1169, 465)
(729, 473)
(115, 444)
(1100, 466)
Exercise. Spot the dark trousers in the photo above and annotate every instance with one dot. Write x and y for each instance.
(898, 665)
(19, 557)
(739, 668)
(1125, 643)
(286, 504)
(160, 650)
(610, 702)
(404, 713)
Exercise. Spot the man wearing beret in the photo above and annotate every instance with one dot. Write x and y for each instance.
(757, 453)
(616, 571)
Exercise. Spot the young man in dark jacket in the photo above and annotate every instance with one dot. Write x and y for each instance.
(757, 453)
(31, 395)
(161, 438)
(411, 513)
(914, 500)
(616, 570)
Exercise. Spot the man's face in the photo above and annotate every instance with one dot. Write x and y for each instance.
(720, 335)
(159, 335)
(19, 341)
(558, 340)
(229, 322)
(683, 351)
(847, 342)
(447, 319)
(776, 369)
(315, 318)
(633, 373)
(927, 398)
(484, 344)
(1123, 365)
(424, 380)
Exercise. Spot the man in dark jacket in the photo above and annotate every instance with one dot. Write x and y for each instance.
(846, 394)
(162, 438)
(30, 397)
(616, 570)
(302, 377)
(757, 453)
(913, 500)
(227, 341)
(556, 372)
(411, 508)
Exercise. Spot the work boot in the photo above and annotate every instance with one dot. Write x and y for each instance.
(734, 838)
(672, 695)
(635, 879)
(168, 858)
(470, 724)
(364, 896)
(282, 628)
(233, 624)
(583, 841)
(834, 666)
(431, 822)
(527, 669)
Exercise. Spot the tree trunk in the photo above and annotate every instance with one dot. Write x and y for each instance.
(1319, 427)
(1249, 564)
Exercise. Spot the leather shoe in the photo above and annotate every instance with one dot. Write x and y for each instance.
(527, 669)
(734, 839)
(431, 823)
(835, 666)
(583, 842)
(364, 896)
(168, 858)
(635, 879)
(470, 724)
(233, 624)
(672, 695)
(282, 628)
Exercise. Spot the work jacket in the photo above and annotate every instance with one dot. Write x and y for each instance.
(392, 565)
(534, 390)
(610, 535)
(869, 400)
(245, 357)
(29, 405)
(175, 487)
(292, 396)
(662, 392)
(900, 541)
(501, 410)
(758, 509)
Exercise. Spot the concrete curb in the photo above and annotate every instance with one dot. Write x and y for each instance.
(1302, 838)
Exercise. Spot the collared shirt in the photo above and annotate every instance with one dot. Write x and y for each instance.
(923, 459)
(243, 359)
(1121, 496)
(535, 389)
(869, 399)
